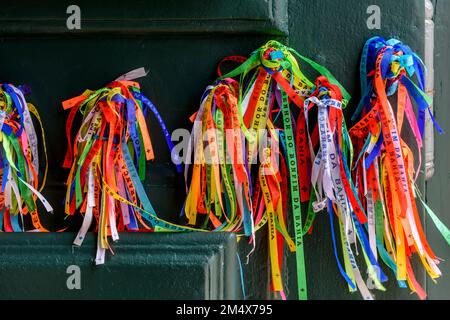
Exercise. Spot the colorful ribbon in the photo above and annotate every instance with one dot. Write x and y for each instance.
(19, 162)
(107, 162)
(232, 125)
(385, 171)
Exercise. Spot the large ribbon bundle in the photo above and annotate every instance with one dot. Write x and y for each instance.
(385, 171)
(108, 162)
(19, 162)
(230, 130)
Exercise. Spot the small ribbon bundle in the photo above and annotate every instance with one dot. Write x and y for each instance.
(19, 162)
(332, 184)
(385, 171)
(268, 81)
(107, 162)
(220, 183)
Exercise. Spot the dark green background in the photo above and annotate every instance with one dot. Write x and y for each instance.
(180, 43)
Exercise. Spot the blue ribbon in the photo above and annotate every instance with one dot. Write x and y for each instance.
(333, 237)
(169, 142)
(10, 91)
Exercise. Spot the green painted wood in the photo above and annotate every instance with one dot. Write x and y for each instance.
(140, 17)
(146, 266)
(438, 188)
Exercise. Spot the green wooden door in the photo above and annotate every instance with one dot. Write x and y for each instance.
(180, 43)
(438, 187)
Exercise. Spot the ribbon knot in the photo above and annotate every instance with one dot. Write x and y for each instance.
(402, 62)
(275, 56)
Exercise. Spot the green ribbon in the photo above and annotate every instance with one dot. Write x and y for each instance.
(295, 197)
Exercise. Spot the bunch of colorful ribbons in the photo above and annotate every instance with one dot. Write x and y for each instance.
(220, 186)
(309, 152)
(107, 163)
(236, 122)
(332, 184)
(19, 162)
(267, 139)
(385, 170)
